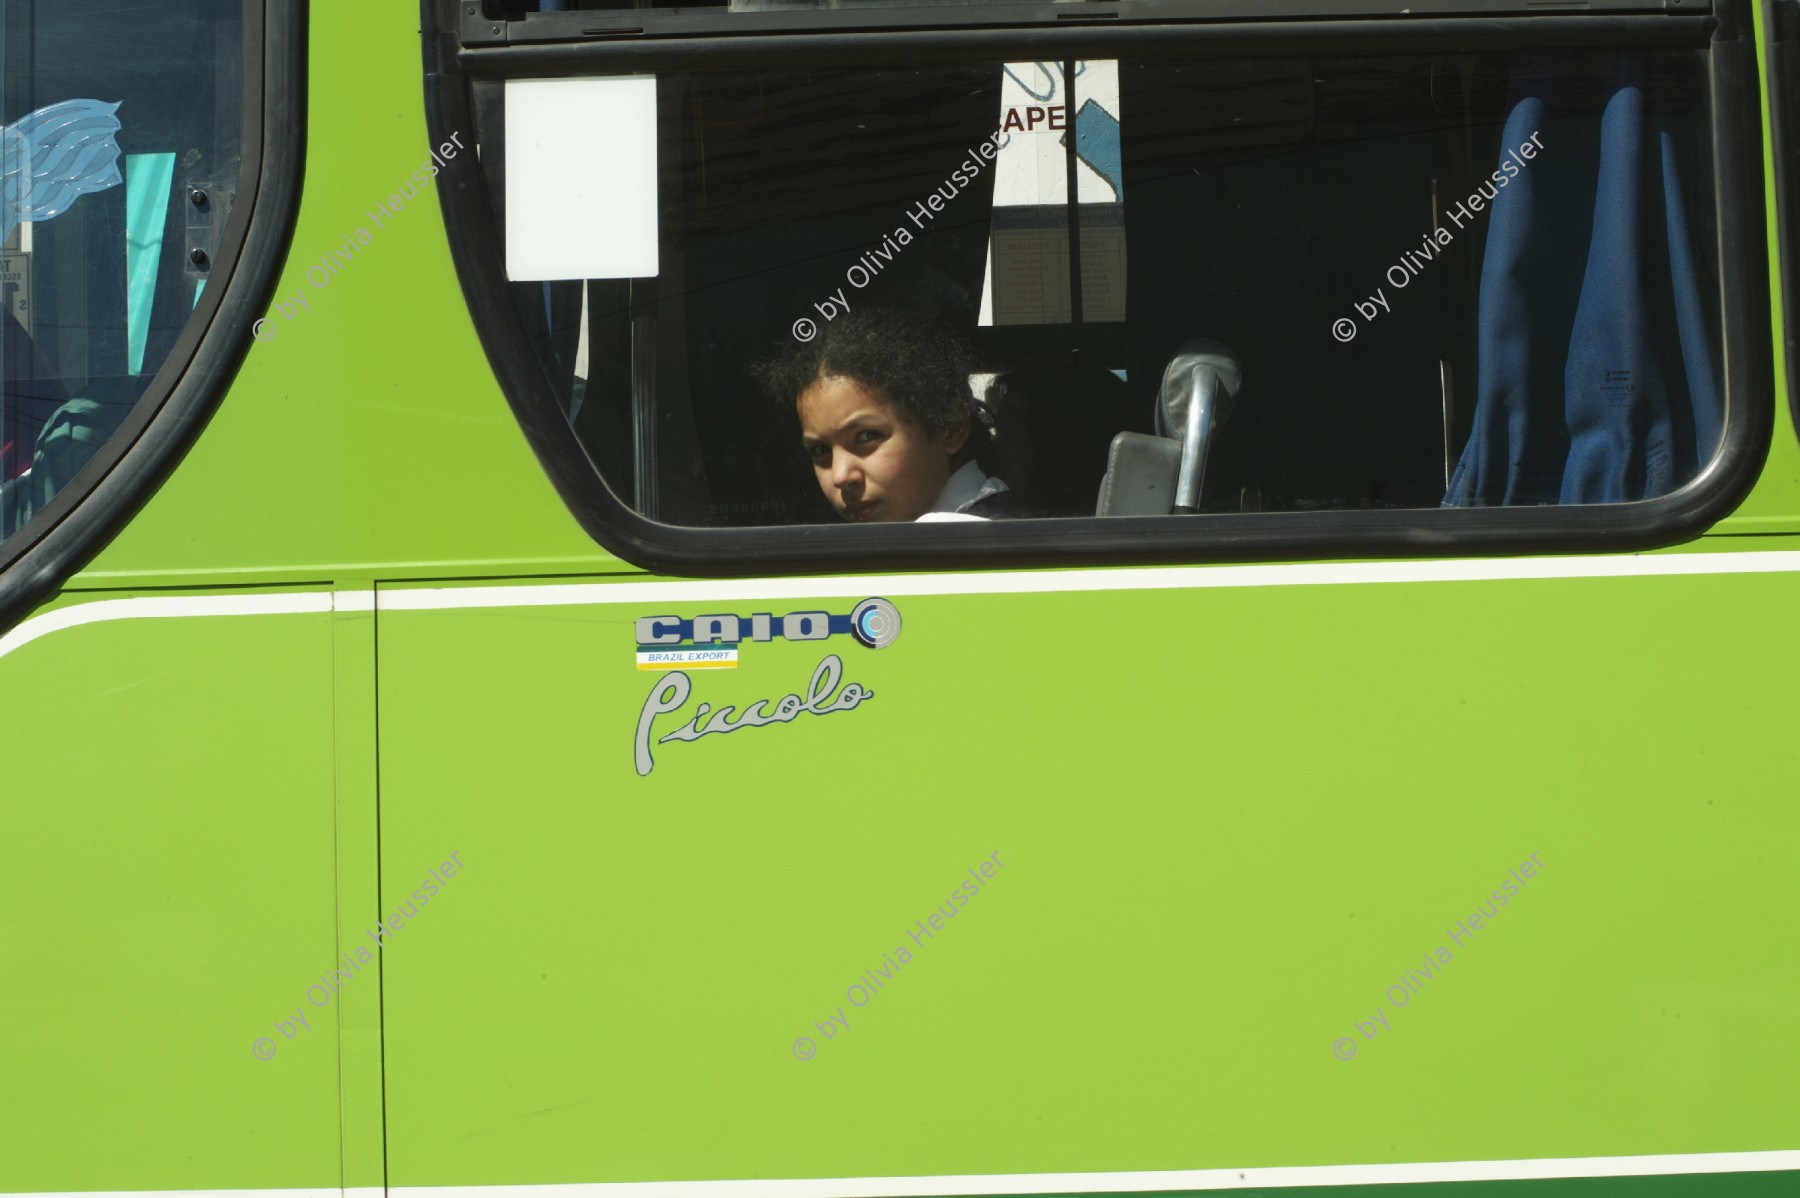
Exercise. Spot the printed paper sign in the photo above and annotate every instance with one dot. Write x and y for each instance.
(1028, 253)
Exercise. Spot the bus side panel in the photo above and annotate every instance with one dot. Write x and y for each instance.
(1092, 881)
(166, 898)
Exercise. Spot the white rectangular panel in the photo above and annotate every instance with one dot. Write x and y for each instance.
(1027, 277)
(581, 178)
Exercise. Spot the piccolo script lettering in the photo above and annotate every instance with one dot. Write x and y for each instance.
(671, 692)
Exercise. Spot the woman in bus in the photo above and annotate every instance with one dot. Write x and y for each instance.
(886, 416)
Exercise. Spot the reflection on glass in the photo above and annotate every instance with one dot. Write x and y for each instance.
(115, 118)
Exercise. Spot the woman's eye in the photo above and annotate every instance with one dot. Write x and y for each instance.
(868, 436)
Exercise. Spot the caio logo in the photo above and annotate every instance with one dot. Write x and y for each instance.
(678, 644)
(667, 642)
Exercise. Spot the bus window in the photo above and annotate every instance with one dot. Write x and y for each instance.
(1319, 292)
(121, 149)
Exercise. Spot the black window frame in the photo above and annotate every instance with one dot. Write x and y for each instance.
(1726, 32)
(186, 389)
(479, 27)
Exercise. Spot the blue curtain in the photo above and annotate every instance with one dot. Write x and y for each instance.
(1596, 375)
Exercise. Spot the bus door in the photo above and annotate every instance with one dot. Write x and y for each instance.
(1317, 773)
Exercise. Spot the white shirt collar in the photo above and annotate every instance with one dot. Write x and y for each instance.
(968, 485)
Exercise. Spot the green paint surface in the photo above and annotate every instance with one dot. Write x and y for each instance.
(1228, 820)
(370, 432)
(165, 896)
(1223, 839)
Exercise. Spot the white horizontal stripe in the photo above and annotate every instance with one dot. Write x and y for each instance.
(1022, 582)
(269, 1193)
(164, 607)
(1127, 1183)
(1309, 1176)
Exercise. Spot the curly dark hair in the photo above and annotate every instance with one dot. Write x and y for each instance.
(913, 360)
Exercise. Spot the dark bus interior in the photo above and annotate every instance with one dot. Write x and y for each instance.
(1262, 199)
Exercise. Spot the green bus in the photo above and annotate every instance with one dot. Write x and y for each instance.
(803, 598)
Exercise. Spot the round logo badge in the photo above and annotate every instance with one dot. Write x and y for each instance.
(875, 622)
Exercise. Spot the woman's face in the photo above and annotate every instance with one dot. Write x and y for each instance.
(872, 462)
